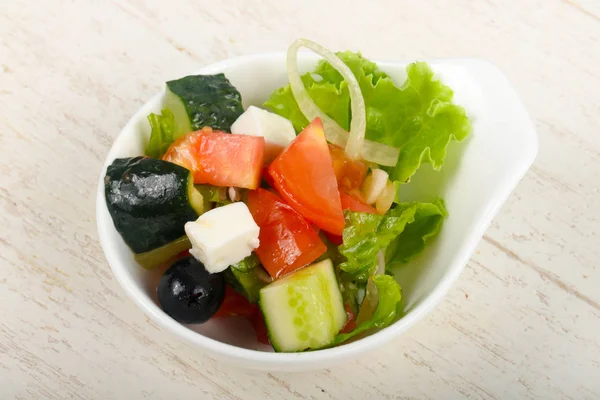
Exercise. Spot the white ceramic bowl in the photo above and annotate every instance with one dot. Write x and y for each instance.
(478, 176)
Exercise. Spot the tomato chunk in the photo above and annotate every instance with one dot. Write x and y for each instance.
(303, 175)
(266, 177)
(352, 203)
(350, 174)
(287, 240)
(219, 158)
(335, 239)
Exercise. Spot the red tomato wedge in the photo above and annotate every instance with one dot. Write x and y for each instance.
(219, 158)
(287, 241)
(266, 177)
(350, 174)
(353, 203)
(235, 305)
(303, 175)
(335, 239)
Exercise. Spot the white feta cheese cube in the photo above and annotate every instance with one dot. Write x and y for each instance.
(277, 131)
(223, 236)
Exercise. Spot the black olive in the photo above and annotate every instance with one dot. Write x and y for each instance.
(188, 293)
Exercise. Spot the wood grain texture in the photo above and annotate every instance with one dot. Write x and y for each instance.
(523, 321)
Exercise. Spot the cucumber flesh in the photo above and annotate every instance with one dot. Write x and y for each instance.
(195, 198)
(303, 310)
(182, 121)
(161, 255)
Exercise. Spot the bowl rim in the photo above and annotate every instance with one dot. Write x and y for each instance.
(379, 338)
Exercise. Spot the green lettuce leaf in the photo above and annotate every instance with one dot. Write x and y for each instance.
(161, 137)
(428, 120)
(419, 117)
(389, 295)
(358, 65)
(428, 219)
(401, 233)
(365, 234)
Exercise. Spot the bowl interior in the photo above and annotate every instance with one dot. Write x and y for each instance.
(478, 175)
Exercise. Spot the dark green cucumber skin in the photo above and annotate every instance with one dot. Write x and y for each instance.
(148, 201)
(209, 100)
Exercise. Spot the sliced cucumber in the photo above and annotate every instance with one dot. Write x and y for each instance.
(161, 255)
(182, 121)
(150, 201)
(195, 197)
(203, 100)
(303, 310)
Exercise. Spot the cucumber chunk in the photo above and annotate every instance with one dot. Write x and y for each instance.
(303, 310)
(150, 201)
(162, 255)
(203, 100)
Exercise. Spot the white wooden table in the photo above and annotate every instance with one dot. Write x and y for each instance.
(523, 321)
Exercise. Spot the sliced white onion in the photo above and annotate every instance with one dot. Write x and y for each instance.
(380, 153)
(380, 262)
(371, 297)
(234, 194)
(354, 142)
(386, 198)
(369, 303)
(334, 133)
(373, 185)
(263, 275)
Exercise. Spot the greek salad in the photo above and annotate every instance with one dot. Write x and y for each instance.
(287, 214)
